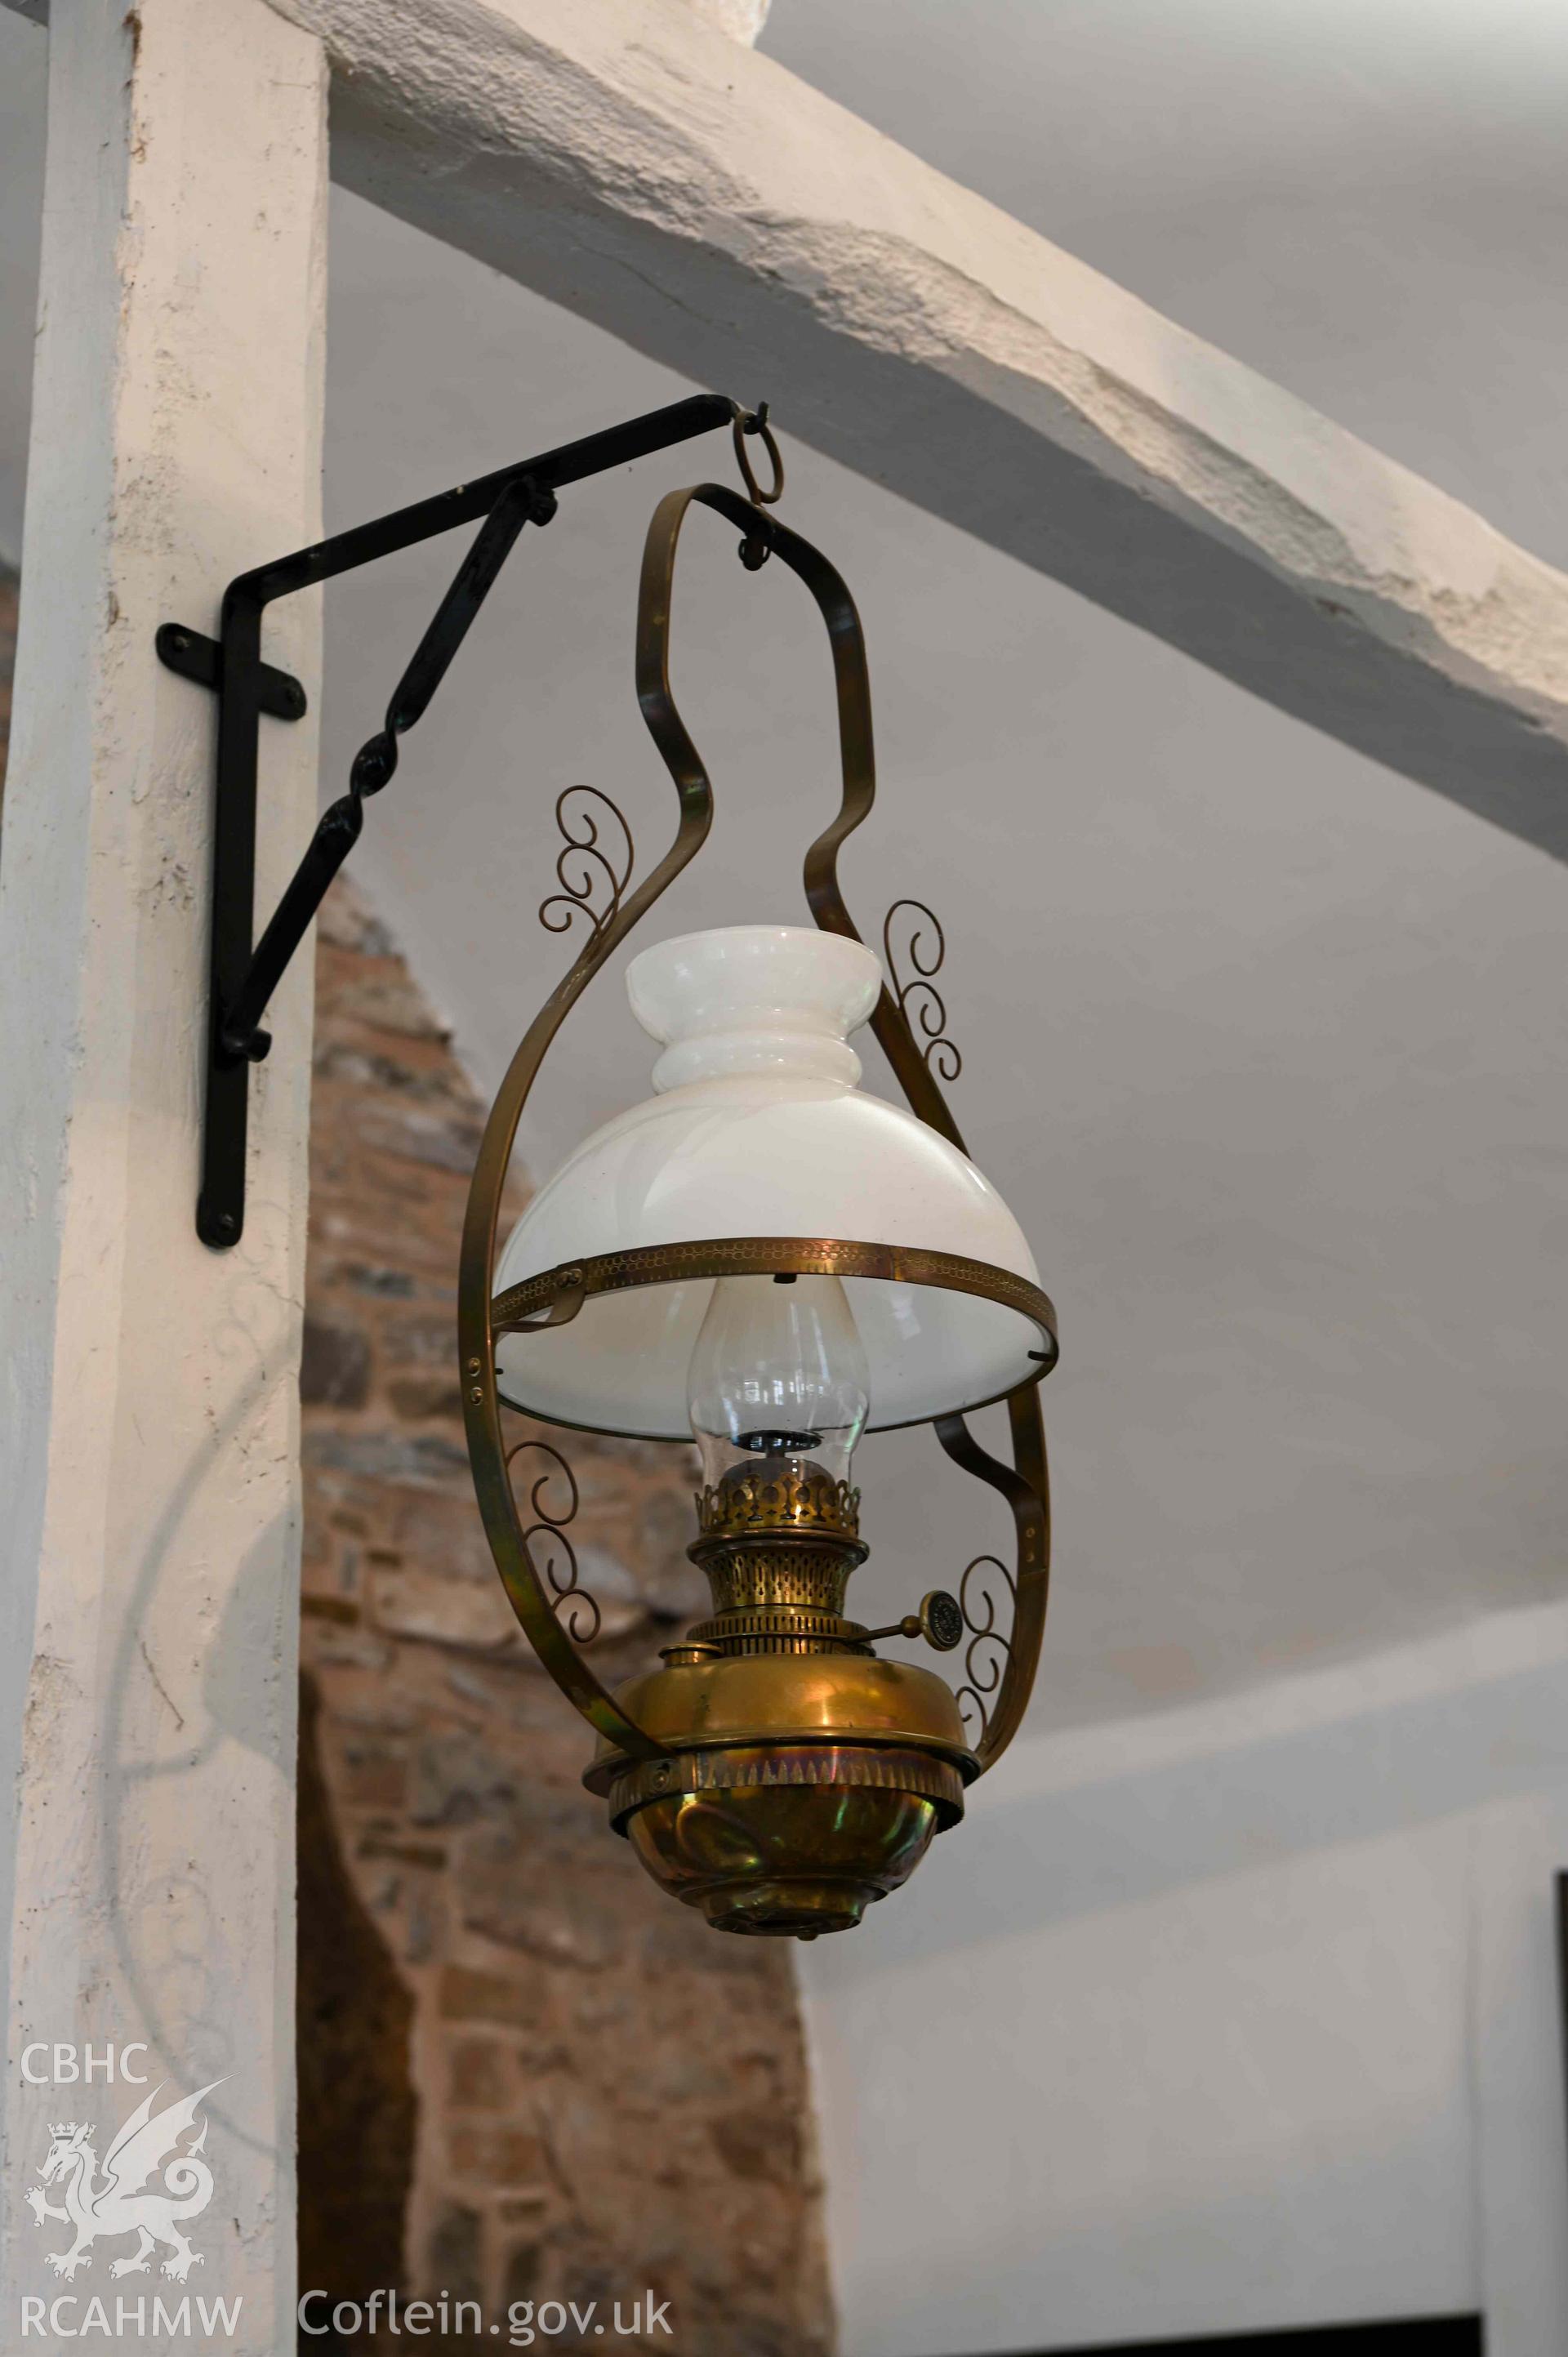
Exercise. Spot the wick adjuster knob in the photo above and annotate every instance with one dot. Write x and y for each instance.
(940, 1622)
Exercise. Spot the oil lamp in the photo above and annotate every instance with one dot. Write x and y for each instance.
(761, 1257)
(765, 1259)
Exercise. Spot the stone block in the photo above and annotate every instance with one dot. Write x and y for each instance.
(499, 2156)
(521, 2279)
(440, 1530)
(346, 922)
(574, 1923)
(457, 1778)
(371, 1776)
(335, 1366)
(756, 2145)
(379, 1279)
(408, 1601)
(419, 1398)
(456, 2257)
(444, 1139)
(479, 2076)
(381, 1455)
(469, 1996)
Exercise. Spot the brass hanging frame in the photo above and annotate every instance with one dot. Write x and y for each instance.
(999, 1667)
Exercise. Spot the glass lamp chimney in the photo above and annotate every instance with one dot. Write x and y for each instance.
(777, 1382)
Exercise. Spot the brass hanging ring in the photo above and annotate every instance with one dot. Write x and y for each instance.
(755, 422)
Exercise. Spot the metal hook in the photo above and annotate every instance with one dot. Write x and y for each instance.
(754, 421)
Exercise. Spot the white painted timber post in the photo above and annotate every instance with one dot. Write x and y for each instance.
(149, 1492)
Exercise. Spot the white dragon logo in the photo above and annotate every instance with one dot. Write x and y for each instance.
(117, 2205)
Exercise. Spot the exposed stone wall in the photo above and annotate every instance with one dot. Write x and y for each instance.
(611, 2097)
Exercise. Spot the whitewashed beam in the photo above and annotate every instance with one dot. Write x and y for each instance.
(742, 19)
(149, 1532)
(725, 217)
(630, 161)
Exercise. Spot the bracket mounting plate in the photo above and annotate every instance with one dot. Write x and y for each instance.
(200, 659)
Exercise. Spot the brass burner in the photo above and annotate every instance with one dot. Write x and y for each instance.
(778, 1543)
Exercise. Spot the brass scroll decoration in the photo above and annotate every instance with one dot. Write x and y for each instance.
(592, 878)
(988, 1652)
(570, 1599)
(919, 1000)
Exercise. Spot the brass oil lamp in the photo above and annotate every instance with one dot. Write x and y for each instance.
(766, 1259)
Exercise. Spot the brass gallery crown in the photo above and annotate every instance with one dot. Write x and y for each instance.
(747, 1501)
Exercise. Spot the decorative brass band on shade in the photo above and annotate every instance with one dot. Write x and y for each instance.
(556, 1295)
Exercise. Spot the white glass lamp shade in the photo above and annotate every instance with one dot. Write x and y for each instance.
(759, 1128)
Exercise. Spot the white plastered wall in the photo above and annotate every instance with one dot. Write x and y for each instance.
(1232, 2019)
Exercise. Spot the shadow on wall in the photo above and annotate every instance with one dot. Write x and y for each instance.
(357, 2105)
(8, 660)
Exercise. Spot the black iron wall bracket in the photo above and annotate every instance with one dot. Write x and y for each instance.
(245, 971)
